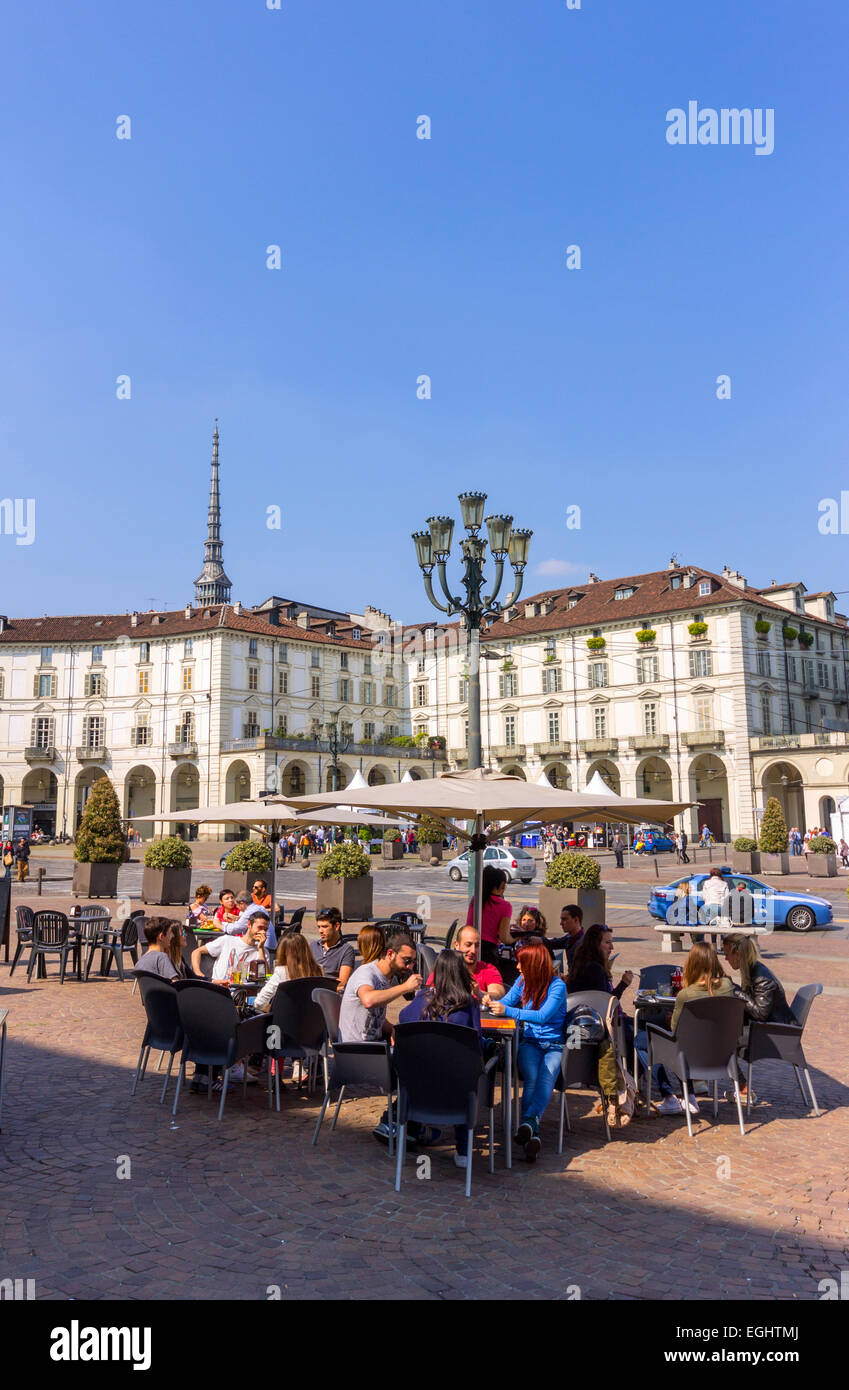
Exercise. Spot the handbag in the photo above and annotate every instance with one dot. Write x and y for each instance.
(7, 860)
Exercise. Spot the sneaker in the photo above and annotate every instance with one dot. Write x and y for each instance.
(461, 1160)
(693, 1105)
(524, 1133)
(237, 1073)
(532, 1148)
(381, 1132)
(670, 1105)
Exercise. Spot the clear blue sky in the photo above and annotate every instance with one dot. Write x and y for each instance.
(402, 257)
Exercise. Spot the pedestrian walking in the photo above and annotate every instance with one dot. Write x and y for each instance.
(618, 847)
(684, 840)
(22, 859)
(843, 851)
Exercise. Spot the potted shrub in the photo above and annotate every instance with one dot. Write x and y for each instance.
(167, 871)
(430, 836)
(745, 858)
(100, 845)
(368, 841)
(393, 845)
(596, 644)
(822, 857)
(572, 877)
(345, 881)
(646, 634)
(806, 639)
(697, 629)
(773, 839)
(789, 633)
(762, 627)
(244, 862)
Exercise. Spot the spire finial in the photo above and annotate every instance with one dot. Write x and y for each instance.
(212, 585)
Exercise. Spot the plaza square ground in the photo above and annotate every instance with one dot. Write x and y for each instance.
(234, 1209)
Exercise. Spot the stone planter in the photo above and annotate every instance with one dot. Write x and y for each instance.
(239, 882)
(745, 862)
(591, 901)
(775, 863)
(95, 880)
(166, 886)
(393, 849)
(822, 865)
(428, 852)
(352, 896)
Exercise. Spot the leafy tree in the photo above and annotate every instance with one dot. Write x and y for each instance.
(773, 838)
(100, 838)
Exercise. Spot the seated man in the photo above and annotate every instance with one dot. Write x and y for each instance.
(335, 956)
(370, 990)
(235, 952)
(226, 913)
(156, 959)
(486, 979)
(248, 909)
(571, 925)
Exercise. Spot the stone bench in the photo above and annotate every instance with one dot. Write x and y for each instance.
(673, 932)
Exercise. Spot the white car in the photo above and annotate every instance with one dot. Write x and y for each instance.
(516, 863)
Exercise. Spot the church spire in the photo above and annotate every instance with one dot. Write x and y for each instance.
(212, 584)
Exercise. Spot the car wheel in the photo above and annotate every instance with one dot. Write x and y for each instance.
(455, 875)
(801, 919)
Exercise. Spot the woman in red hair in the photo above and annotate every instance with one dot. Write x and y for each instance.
(538, 999)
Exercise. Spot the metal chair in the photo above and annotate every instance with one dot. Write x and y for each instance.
(163, 1030)
(113, 944)
(352, 1064)
(413, 923)
(702, 1048)
(300, 1023)
(50, 933)
(579, 1065)
(23, 926)
(781, 1042)
(214, 1036)
(442, 1080)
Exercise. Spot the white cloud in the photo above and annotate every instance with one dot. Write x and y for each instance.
(559, 567)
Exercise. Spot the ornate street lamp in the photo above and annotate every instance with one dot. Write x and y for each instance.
(336, 743)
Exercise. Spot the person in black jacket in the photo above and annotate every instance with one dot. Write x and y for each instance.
(590, 968)
(762, 994)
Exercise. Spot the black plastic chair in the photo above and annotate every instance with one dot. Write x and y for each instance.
(113, 944)
(352, 1064)
(451, 933)
(442, 1080)
(50, 934)
(654, 976)
(579, 1065)
(301, 1028)
(781, 1042)
(427, 960)
(702, 1048)
(163, 1031)
(295, 921)
(214, 1035)
(23, 926)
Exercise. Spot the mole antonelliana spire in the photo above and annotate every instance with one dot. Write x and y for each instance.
(212, 584)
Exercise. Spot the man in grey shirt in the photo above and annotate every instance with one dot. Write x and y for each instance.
(156, 960)
(369, 991)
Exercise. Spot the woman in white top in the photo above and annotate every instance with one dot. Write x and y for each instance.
(295, 961)
(714, 890)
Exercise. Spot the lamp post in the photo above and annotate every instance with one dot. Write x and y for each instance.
(336, 743)
(433, 548)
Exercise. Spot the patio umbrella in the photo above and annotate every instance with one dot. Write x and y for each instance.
(482, 796)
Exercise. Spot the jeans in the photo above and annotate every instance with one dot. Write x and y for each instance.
(539, 1066)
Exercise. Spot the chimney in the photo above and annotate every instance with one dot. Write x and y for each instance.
(531, 610)
(3, 621)
(734, 577)
(237, 608)
(134, 620)
(673, 563)
(593, 579)
(303, 619)
(187, 611)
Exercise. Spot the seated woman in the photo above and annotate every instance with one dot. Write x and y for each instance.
(703, 978)
(295, 961)
(762, 994)
(495, 914)
(450, 1000)
(537, 999)
(591, 965)
(531, 924)
(198, 914)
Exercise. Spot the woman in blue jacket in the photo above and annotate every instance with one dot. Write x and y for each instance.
(537, 999)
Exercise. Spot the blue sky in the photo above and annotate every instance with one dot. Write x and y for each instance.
(403, 257)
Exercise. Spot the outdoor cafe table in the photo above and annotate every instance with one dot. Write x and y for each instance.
(505, 1031)
(644, 1002)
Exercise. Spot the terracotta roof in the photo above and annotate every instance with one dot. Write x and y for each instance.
(794, 584)
(824, 593)
(108, 627)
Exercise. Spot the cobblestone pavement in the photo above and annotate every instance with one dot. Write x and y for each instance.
(230, 1209)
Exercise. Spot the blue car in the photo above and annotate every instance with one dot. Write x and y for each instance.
(772, 906)
(653, 842)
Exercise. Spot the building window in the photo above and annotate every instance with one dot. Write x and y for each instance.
(343, 660)
(357, 634)
(650, 718)
(766, 714)
(701, 662)
(2, 685)
(315, 687)
(315, 658)
(822, 674)
(251, 729)
(188, 647)
(552, 680)
(283, 652)
(366, 692)
(94, 727)
(96, 655)
(367, 665)
(704, 712)
(675, 581)
(510, 730)
(46, 656)
(185, 731)
(144, 682)
(507, 685)
(282, 682)
(346, 728)
(464, 690)
(140, 734)
(144, 651)
(344, 689)
(647, 670)
(389, 695)
(42, 731)
(704, 587)
(187, 677)
(252, 647)
(624, 593)
(764, 660)
(253, 678)
(791, 668)
(390, 731)
(553, 726)
(465, 733)
(597, 674)
(421, 696)
(600, 723)
(420, 666)
(94, 684)
(368, 732)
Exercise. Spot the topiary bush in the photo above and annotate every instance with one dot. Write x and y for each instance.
(170, 853)
(806, 639)
(773, 838)
(344, 861)
(249, 857)
(762, 626)
(100, 838)
(789, 633)
(571, 869)
(744, 844)
(822, 844)
(697, 629)
(392, 835)
(596, 644)
(646, 634)
(429, 832)
(365, 833)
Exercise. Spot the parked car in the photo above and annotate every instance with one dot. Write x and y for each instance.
(772, 906)
(652, 841)
(516, 863)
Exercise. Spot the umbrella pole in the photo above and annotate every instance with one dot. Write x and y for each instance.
(477, 859)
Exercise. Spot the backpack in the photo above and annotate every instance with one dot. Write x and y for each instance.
(614, 1077)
